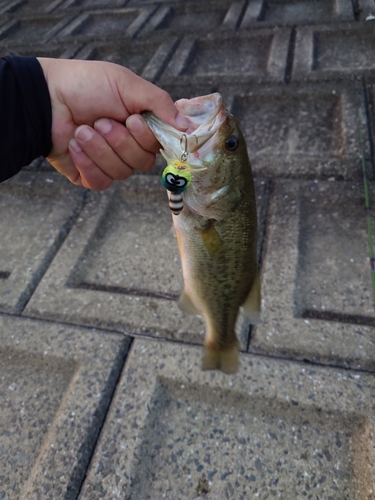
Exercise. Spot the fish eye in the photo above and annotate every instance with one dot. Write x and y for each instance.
(231, 143)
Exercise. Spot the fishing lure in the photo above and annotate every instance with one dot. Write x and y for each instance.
(176, 178)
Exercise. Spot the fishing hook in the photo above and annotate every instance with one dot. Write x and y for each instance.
(183, 146)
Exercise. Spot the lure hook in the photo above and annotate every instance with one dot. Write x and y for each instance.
(183, 145)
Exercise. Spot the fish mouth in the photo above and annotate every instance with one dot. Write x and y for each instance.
(195, 146)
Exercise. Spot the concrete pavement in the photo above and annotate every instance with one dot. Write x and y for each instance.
(101, 393)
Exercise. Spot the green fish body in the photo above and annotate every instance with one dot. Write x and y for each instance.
(217, 227)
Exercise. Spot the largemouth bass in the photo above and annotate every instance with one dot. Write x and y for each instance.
(217, 227)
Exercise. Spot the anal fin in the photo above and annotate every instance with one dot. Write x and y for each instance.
(186, 304)
(251, 306)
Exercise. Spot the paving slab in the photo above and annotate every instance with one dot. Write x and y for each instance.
(92, 4)
(276, 429)
(291, 12)
(304, 132)
(370, 97)
(194, 17)
(16, 7)
(147, 58)
(334, 52)
(316, 282)
(57, 51)
(259, 56)
(106, 24)
(364, 10)
(56, 384)
(119, 268)
(39, 165)
(32, 29)
(31, 237)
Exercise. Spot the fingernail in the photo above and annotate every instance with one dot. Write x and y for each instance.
(84, 133)
(74, 145)
(103, 125)
(135, 124)
(182, 122)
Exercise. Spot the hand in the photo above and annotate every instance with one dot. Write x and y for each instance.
(91, 150)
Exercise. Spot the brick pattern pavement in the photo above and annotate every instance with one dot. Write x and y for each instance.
(102, 396)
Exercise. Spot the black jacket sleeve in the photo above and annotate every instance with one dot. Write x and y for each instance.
(25, 114)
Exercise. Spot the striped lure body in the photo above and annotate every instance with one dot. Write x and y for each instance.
(176, 203)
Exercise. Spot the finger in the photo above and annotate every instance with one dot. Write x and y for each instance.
(122, 142)
(101, 154)
(67, 168)
(145, 96)
(142, 133)
(90, 175)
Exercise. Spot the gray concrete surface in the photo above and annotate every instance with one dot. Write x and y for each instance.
(84, 276)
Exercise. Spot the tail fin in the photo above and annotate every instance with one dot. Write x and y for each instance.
(225, 360)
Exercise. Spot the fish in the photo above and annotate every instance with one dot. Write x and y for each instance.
(216, 228)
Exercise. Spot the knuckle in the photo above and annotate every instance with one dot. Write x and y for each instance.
(164, 96)
(149, 163)
(124, 174)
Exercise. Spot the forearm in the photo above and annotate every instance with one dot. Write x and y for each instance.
(25, 114)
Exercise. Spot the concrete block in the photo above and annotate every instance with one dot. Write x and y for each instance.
(93, 4)
(111, 23)
(316, 282)
(343, 51)
(31, 236)
(59, 51)
(193, 17)
(39, 165)
(56, 385)
(21, 7)
(234, 15)
(32, 29)
(119, 268)
(304, 131)
(292, 12)
(258, 56)
(370, 97)
(11, 6)
(147, 59)
(364, 10)
(276, 429)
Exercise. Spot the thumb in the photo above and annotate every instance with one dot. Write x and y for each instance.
(148, 97)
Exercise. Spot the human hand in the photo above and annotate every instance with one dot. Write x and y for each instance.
(91, 150)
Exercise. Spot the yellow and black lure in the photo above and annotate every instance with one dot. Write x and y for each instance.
(176, 178)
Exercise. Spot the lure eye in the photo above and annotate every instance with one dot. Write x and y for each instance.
(181, 182)
(170, 179)
(175, 180)
(231, 143)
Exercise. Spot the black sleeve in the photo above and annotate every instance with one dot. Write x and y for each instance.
(25, 114)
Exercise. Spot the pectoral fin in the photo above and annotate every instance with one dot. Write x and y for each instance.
(251, 306)
(186, 304)
(211, 239)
